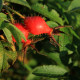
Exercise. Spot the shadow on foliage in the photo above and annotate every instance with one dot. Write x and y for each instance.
(15, 72)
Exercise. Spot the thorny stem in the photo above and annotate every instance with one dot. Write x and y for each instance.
(24, 50)
(61, 27)
(31, 45)
(56, 32)
(35, 41)
(24, 57)
(34, 48)
(53, 39)
(5, 6)
(37, 50)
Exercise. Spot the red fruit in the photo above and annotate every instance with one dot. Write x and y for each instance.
(37, 25)
(23, 30)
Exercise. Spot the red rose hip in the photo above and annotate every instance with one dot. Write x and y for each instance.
(23, 30)
(37, 25)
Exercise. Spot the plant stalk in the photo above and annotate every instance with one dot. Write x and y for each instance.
(5, 6)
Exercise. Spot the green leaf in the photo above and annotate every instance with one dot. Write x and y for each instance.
(10, 27)
(52, 15)
(0, 5)
(74, 33)
(21, 2)
(77, 24)
(7, 44)
(2, 15)
(3, 20)
(7, 34)
(6, 58)
(16, 33)
(33, 77)
(65, 39)
(52, 24)
(3, 23)
(55, 56)
(50, 71)
(75, 5)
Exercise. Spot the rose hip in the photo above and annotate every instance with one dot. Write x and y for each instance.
(37, 25)
(23, 30)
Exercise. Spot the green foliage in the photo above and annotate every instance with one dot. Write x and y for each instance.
(74, 34)
(11, 29)
(49, 71)
(16, 32)
(52, 24)
(3, 16)
(7, 34)
(56, 57)
(0, 5)
(52, 15)
(34, 77)
(21, 2)
(64, 39)
(74, 5)
(51, 62)
(7, 57)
